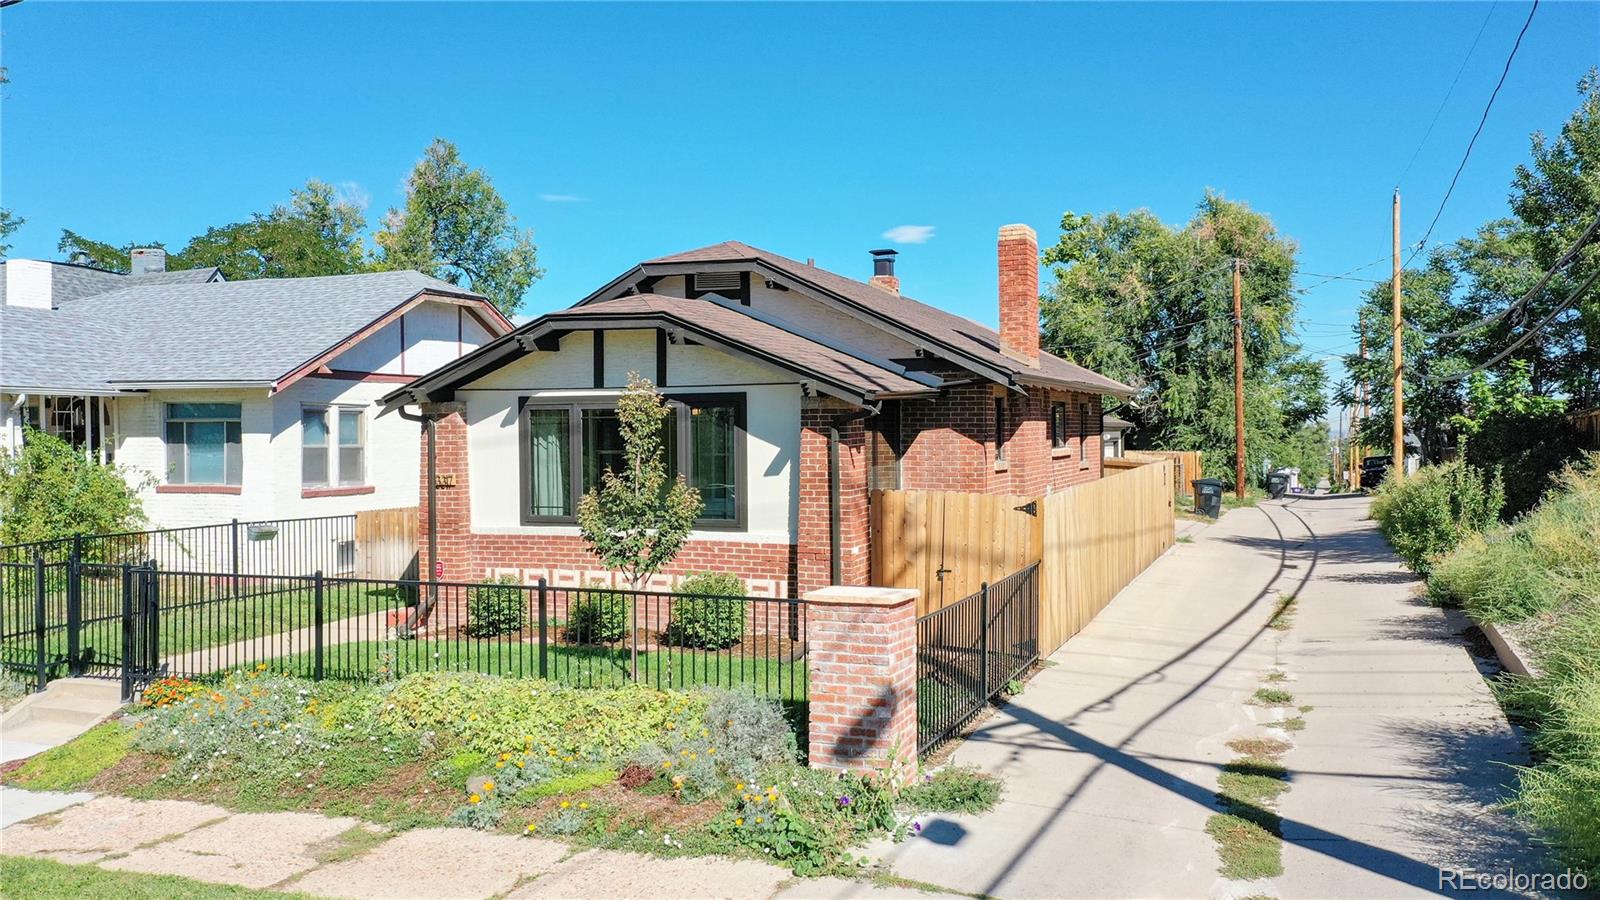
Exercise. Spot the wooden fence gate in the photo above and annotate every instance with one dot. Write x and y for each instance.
(386, 544)
(1091, 540)
(947, 544)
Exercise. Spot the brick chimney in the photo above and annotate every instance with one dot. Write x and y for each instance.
(1019, 294)
(883, 271)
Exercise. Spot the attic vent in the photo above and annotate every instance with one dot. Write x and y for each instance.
(719, 282)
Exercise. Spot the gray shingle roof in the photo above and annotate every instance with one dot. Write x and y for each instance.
(962, 334)
(240, 331)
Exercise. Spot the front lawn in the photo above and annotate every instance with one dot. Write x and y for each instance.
(44, 879)
(628, 767)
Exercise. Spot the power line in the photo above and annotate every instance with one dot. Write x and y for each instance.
(1342, 277)
(1521, 301)
(1329, 278)
(1567, 304)
(1447, 94)
(1481, 120)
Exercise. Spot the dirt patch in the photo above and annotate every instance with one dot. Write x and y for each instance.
(626, 808)
(136, 770)
(1260, 748)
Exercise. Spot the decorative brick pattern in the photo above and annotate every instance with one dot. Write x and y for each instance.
(863, 678)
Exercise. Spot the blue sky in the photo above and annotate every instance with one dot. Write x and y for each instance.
(620, 132)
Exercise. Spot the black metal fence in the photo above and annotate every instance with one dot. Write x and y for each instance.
(968, 651)
(80, 617)
(264, 547)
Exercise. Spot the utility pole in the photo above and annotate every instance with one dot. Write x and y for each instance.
(1238, 379)
(1399, 357)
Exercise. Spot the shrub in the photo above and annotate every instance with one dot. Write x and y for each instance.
(497, 607)
(1432, 510)
(49, 490)
(598, 616)
(167, 691)
(710, 613)
(494, 715)
(749, 731)
(959, 789)
(1545, 561)
(13, 689)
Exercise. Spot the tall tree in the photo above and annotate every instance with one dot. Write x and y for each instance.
(455, 226)
(1151, 305)
(315, 233)
(9, 223)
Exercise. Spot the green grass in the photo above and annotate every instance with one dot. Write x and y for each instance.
(958, 789)
(1253, 781)
(1272, 697)
(1248, 831)
(44, 879)
(580, 666)
(1296, 723)
(348, 844)
(1247, 849)
(74, 764)
(1283, 616)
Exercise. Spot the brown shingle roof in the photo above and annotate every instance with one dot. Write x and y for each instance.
(748, 332)
(961, 334)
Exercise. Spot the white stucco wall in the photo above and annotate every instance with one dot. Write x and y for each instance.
(772, 404)
(435, 334)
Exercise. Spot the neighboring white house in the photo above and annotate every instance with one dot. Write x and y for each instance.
(249, 399)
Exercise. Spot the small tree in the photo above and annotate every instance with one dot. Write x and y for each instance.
(49, 489)
(638, 518)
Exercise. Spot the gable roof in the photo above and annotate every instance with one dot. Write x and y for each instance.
(70, 281)
(730, 328)
(962, 336)
(232, 332)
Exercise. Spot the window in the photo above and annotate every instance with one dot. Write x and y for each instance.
(885, 447)
(203, 444)
(333, 444)
(999, 429)
(567, 448)
(1083, 431)
(1058, 425)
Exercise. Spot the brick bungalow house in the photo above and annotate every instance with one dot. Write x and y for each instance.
(796, 392)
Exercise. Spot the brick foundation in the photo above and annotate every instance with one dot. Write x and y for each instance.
(863, 679)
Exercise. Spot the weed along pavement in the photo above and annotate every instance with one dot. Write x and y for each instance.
(1276, 675)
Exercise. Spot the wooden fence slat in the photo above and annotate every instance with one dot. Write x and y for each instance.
(386, 543)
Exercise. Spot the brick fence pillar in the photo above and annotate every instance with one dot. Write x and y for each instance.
(862, 656)
(455, 509)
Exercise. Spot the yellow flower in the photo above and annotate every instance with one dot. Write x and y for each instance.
(671, 726)
(711, 751)
(583, 806)
(520, 764)
(572, 759)
(262, 667)
(532, 828)
(739, 786)
(667, 764)
(499, 765)
(504, 757)
(488, 785)
(475, 799)
(759, 820)
(738, 821)
(566, 804)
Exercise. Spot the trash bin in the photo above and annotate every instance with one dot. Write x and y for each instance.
(1278, 484)
(1208, 496)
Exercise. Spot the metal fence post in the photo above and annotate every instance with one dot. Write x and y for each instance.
(127, 631)
(544, 620)
(983, 639)
(234, 567)
(75, 607)
(151, 619)
(317, 666)
(40, 671)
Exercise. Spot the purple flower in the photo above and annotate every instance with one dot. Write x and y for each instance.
(844, 800)
(916, 827)
(928, 778)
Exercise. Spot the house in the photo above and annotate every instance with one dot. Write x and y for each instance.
(796, 393)
(1114, 438)
(249, 399)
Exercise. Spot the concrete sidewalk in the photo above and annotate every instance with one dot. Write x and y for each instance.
(1111, 754)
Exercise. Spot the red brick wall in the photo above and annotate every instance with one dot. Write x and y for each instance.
(1019, 293)
(813, 547)
(951, 443)
(863, 680)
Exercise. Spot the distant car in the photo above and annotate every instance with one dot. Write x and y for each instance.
(1373, 470)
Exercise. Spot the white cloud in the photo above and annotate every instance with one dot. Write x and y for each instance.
(910, 234)
(561, 198)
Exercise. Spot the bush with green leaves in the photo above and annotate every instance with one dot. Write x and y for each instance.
(50, 490)
(1432, 510)
(709, 612)
(497, 608)
(1541, 564)
(750, 732)
(598, 616)
(959, 789)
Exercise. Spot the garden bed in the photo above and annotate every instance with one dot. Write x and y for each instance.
(665, 772)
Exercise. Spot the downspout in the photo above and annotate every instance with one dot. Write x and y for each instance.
(835, 555)
(428, 428)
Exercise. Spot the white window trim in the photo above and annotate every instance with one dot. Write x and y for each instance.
(330, 424)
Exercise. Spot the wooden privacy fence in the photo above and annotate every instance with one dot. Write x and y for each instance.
(1188, 462)
(1091, 540)
(947, 543)
(386, 543)
(1588, 425)
(1097, 538)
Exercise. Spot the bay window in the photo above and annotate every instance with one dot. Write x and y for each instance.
(204, 444)
(566, 447)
